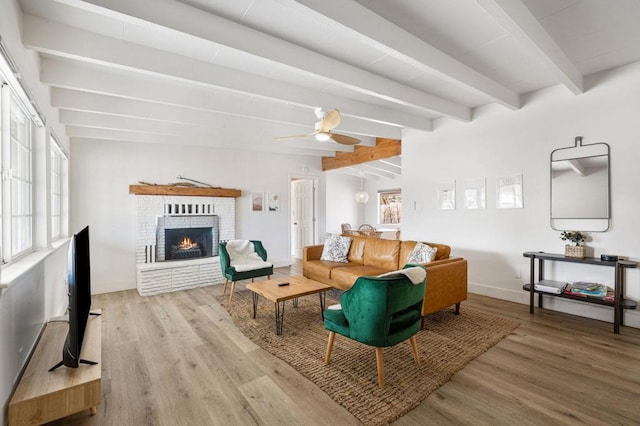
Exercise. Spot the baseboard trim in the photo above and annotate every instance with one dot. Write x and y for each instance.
(573, 307)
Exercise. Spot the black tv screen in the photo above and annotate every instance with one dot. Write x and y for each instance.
(79, 281)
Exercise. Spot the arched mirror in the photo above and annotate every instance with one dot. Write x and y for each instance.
(580, 196)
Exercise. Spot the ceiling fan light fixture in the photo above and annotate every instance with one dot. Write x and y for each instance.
(323, 136)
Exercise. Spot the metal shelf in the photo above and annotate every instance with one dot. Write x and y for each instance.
(618, 304)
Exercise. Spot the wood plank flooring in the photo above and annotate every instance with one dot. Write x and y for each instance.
(177, 359)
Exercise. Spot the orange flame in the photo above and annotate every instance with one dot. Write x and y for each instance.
(187, 244)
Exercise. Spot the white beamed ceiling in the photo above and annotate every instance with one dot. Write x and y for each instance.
(237, 74)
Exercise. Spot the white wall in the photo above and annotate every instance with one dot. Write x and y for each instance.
(101, 173)
(341, 207)
(499, 142)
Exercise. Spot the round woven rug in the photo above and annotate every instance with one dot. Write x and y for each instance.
(447, 344)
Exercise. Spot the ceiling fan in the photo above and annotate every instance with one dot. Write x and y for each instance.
(329, 120)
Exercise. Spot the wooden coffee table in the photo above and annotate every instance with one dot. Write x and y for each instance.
(298, 286)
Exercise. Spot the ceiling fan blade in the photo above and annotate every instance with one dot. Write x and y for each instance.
(344, 139)
(296, 136)
(330, 121)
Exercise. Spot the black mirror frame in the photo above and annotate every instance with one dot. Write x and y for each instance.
(578, 144)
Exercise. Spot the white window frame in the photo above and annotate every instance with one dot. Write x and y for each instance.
(57, 192)
(17, 178)
(381, 196)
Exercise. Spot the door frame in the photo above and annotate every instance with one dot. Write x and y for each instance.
(316, 184)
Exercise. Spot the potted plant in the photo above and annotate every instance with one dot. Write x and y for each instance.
(576, 237)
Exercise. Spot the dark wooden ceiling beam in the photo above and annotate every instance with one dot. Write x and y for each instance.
(384, 148)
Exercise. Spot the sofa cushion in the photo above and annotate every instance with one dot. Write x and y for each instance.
(382, 254)
(344, 277)
(336, 248)
(356, 251)
(320, 269)
(422, 253)
(444, 251)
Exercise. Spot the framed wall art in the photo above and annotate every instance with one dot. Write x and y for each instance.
(447, 195)
(257, 202)
(273, 202)
(474, 193)
(509, 192)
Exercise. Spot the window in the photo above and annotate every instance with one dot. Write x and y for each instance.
(21, 125)
(390, 207)
(57, 163)
(17, 208)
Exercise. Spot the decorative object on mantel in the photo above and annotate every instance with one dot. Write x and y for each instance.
(185, 184)
(191, 183)
(196, 181)
(576, 237)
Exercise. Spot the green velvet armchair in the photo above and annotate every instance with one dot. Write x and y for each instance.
(380, 312)
(245, 259)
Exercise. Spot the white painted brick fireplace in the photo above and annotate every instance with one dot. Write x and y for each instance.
(156, 276)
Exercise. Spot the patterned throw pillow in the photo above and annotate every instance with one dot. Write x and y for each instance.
(336, 248)
(422, 253)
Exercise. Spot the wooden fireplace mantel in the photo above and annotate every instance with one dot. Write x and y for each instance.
(183, 190)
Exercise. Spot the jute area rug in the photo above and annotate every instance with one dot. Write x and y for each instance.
(446, 345)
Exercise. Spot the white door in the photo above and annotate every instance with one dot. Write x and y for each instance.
(302, 215)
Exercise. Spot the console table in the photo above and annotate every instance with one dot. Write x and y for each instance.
(618, 304)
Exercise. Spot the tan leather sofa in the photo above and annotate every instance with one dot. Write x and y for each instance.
(446, 276)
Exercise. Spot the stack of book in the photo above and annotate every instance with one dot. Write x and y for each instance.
(586, 289)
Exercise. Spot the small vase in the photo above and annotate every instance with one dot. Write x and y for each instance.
(574, 251)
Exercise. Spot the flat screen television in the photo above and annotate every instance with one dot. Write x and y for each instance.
(79, 282)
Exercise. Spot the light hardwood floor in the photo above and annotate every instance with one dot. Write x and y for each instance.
(177, 359)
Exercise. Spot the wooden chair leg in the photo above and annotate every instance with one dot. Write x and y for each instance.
(458, 308)
(252, 280)
(380, 364)
(327, 357)
(226, 281)
(414, 346)
(233, 287)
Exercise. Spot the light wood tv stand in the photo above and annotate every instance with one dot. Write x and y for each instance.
(42, 396)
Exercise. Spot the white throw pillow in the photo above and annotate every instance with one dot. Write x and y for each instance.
(336, 248)
(422, 253)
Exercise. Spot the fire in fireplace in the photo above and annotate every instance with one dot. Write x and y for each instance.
(190, 237)
(187, 243)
